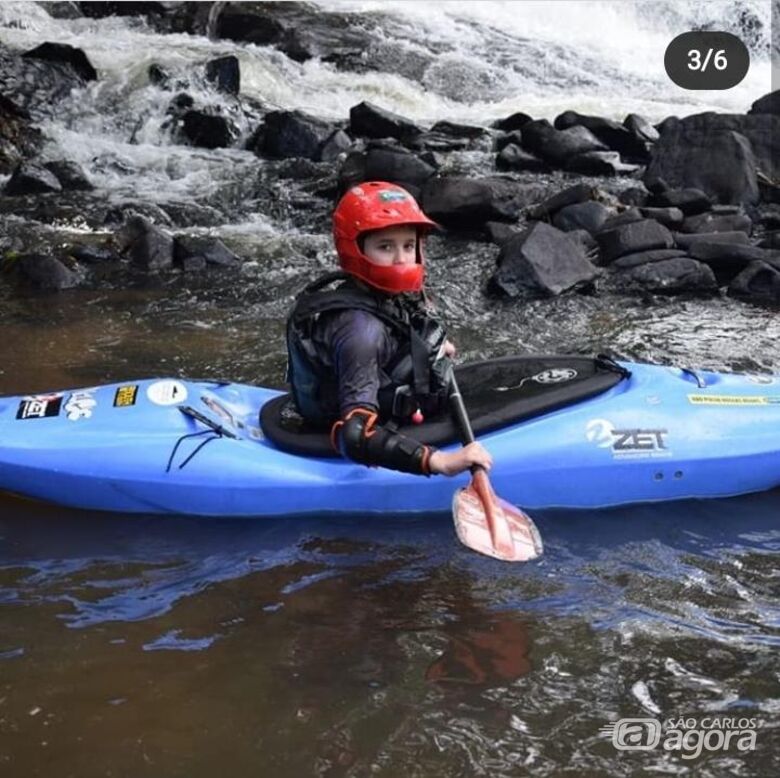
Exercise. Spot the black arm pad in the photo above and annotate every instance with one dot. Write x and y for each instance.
(360, 439)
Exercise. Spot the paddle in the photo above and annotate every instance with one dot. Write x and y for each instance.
(484, 522)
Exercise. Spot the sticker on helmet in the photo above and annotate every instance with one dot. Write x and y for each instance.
(389, 196)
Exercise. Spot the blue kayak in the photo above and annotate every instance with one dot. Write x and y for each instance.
(626, 433)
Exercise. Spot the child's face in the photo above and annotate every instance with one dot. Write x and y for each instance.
(392, 246)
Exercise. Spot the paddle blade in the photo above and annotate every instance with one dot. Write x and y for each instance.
(492, 526)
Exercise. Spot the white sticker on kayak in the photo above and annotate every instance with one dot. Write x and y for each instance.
(80, 405)
(167, 392)
(555, 375)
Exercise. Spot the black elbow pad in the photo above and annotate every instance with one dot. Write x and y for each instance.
(358, 438)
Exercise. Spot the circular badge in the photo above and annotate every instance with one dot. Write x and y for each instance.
(555, 375)
(168, 392)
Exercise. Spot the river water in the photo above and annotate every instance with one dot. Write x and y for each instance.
(150, 646)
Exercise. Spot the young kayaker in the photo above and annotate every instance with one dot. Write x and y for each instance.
(363, 356)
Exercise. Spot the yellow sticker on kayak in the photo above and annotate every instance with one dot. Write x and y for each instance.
(731, 399)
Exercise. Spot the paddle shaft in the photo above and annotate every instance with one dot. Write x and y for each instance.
(459, 409)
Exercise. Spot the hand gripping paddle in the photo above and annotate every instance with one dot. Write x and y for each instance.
(484, 522)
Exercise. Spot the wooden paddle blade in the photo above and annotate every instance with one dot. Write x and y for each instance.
(491, 526)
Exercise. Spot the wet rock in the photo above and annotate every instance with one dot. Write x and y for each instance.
(158, 75)
(630, 238)
(541, 261)
(557, 146)
(613, 135)
(119, 214)
(667, 276)
(224, 73)
(634, 196)
(713, 222)
(370, 121)
(769, 103)
(689, 201)
(65, 54)
(514, 122)
(578, 193)
(189, 249)
(641, 128)
(31, 178)
(512, 157)
(757, 283)
(208, 130)
(500, 232)
(586, 241)
(456, 201)
(99, 10)
(398, 166)
(45, 272)
(642, 257)
(93, 255)
(336, 144)
(588, 216)
(719, 154)
(669, 217)
(18, 139)
(34, 85)
(599, 163)
(627, 216)
(771, 240)
(728, 259)
(291, 134)
(148, 247)
(70, 175)
(505, 139)
(685, 241)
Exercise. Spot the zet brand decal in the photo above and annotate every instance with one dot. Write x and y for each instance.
(80, 405)
(628, 442)
(39, 406)
(734, 400)
(168, 392)
(125, 396)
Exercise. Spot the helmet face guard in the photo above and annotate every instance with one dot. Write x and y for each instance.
(371, 206)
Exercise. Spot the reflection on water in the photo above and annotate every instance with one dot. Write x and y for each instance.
(343, 647)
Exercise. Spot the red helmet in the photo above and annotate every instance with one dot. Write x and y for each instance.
(375, 205)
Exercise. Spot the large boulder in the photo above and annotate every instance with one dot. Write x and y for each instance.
(225, 74)
(685, 241)
(512, 157)
(769, 103)
(628, 261)
(588, 216)
(46, 272)
(541, 261)
(65, 54)
(714, 222)
(370, 121)
(728, 259)
(579, 193)
(208, 130)
(456, 201)
(31, 178)
(667, 276)
(630, 238)
(194, 250)
(148, 247)
(759, 282)
(719, 154)
(615, 136)
(290, 134)
(557, 146)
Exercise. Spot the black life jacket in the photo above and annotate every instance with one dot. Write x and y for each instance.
(415, 378)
